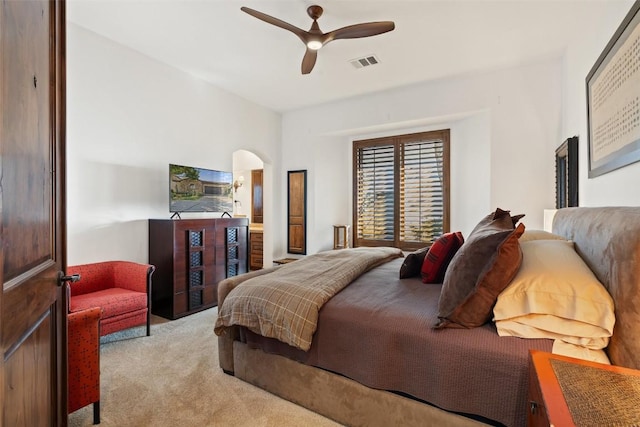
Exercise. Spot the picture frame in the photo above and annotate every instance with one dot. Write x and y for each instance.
(613, 100)
(567, 173)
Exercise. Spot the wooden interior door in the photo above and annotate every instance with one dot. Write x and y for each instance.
(297, 212)
(256, 196)
(32, 132)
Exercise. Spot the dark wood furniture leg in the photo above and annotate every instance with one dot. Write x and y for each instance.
(96, 412)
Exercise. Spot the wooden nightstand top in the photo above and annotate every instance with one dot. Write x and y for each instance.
(555, 406)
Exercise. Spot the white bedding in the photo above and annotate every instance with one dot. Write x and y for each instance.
(555, 295)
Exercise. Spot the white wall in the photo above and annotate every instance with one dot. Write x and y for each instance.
(128, 117)
(505, 125)
(616, 188)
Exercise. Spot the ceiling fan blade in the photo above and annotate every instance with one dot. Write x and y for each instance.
(277, 22)
(360, 30)
(309, 61)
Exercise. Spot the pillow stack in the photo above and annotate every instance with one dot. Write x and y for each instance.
(533, 284)
(481, 269)
(555, 295)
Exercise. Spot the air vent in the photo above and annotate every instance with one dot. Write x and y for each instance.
(365, 61)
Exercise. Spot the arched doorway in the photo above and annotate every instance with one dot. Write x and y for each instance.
(252, 177)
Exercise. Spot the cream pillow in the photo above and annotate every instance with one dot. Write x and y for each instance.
(555, 295)
(578, 352)
(529, 235)
(548, 326)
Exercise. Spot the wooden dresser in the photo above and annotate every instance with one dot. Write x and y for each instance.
(564, 391)
(191, 256)
(256, 248)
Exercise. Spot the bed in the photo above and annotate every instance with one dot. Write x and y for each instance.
(368, 334)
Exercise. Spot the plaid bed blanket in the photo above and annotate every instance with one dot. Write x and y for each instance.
(284, 304)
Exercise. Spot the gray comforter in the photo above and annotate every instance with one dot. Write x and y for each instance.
(378, 332)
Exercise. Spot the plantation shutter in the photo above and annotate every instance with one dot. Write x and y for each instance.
(375, 193)
(401, 190)
(421, 191)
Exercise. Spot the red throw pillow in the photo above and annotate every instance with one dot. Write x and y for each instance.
(437, 259)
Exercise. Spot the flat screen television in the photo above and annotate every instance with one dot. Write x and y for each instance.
(199, 190)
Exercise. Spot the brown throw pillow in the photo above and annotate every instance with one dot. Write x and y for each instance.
(501, 217)
(516, 218)
(412, 263)
(478, 272)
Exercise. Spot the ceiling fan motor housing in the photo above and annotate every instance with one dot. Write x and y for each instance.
(314, 12)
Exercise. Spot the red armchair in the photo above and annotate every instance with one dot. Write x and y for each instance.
(83, 341)
(122, 289)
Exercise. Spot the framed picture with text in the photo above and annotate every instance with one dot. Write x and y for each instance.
(613, 100)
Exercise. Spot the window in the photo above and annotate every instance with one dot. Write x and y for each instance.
(401, 190)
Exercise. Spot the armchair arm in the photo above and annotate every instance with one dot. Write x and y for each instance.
(84, 321)
(84, 357)
(133, 276)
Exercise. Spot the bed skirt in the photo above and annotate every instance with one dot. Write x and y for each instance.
(324, 392)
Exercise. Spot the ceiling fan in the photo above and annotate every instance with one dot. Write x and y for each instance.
(314, 39)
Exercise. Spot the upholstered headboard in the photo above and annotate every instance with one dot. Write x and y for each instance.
(608, 239)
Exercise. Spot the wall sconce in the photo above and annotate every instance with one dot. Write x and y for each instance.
(238, 183)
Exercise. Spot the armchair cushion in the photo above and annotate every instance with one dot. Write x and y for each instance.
(113, 301)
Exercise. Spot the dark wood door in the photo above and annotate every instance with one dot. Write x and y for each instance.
(256, 196)
(32, 132)
(297, 212)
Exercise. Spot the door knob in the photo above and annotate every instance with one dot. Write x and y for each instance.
(71, 278)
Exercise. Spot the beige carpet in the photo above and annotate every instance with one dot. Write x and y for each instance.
(172, 378)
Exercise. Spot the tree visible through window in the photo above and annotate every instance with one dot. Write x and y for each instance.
(401, 190)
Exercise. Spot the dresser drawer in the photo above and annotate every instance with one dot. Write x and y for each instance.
(255, 250)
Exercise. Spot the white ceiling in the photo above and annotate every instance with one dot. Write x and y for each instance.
(214, 40)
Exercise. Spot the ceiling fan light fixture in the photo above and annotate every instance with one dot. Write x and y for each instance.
(314, 44)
